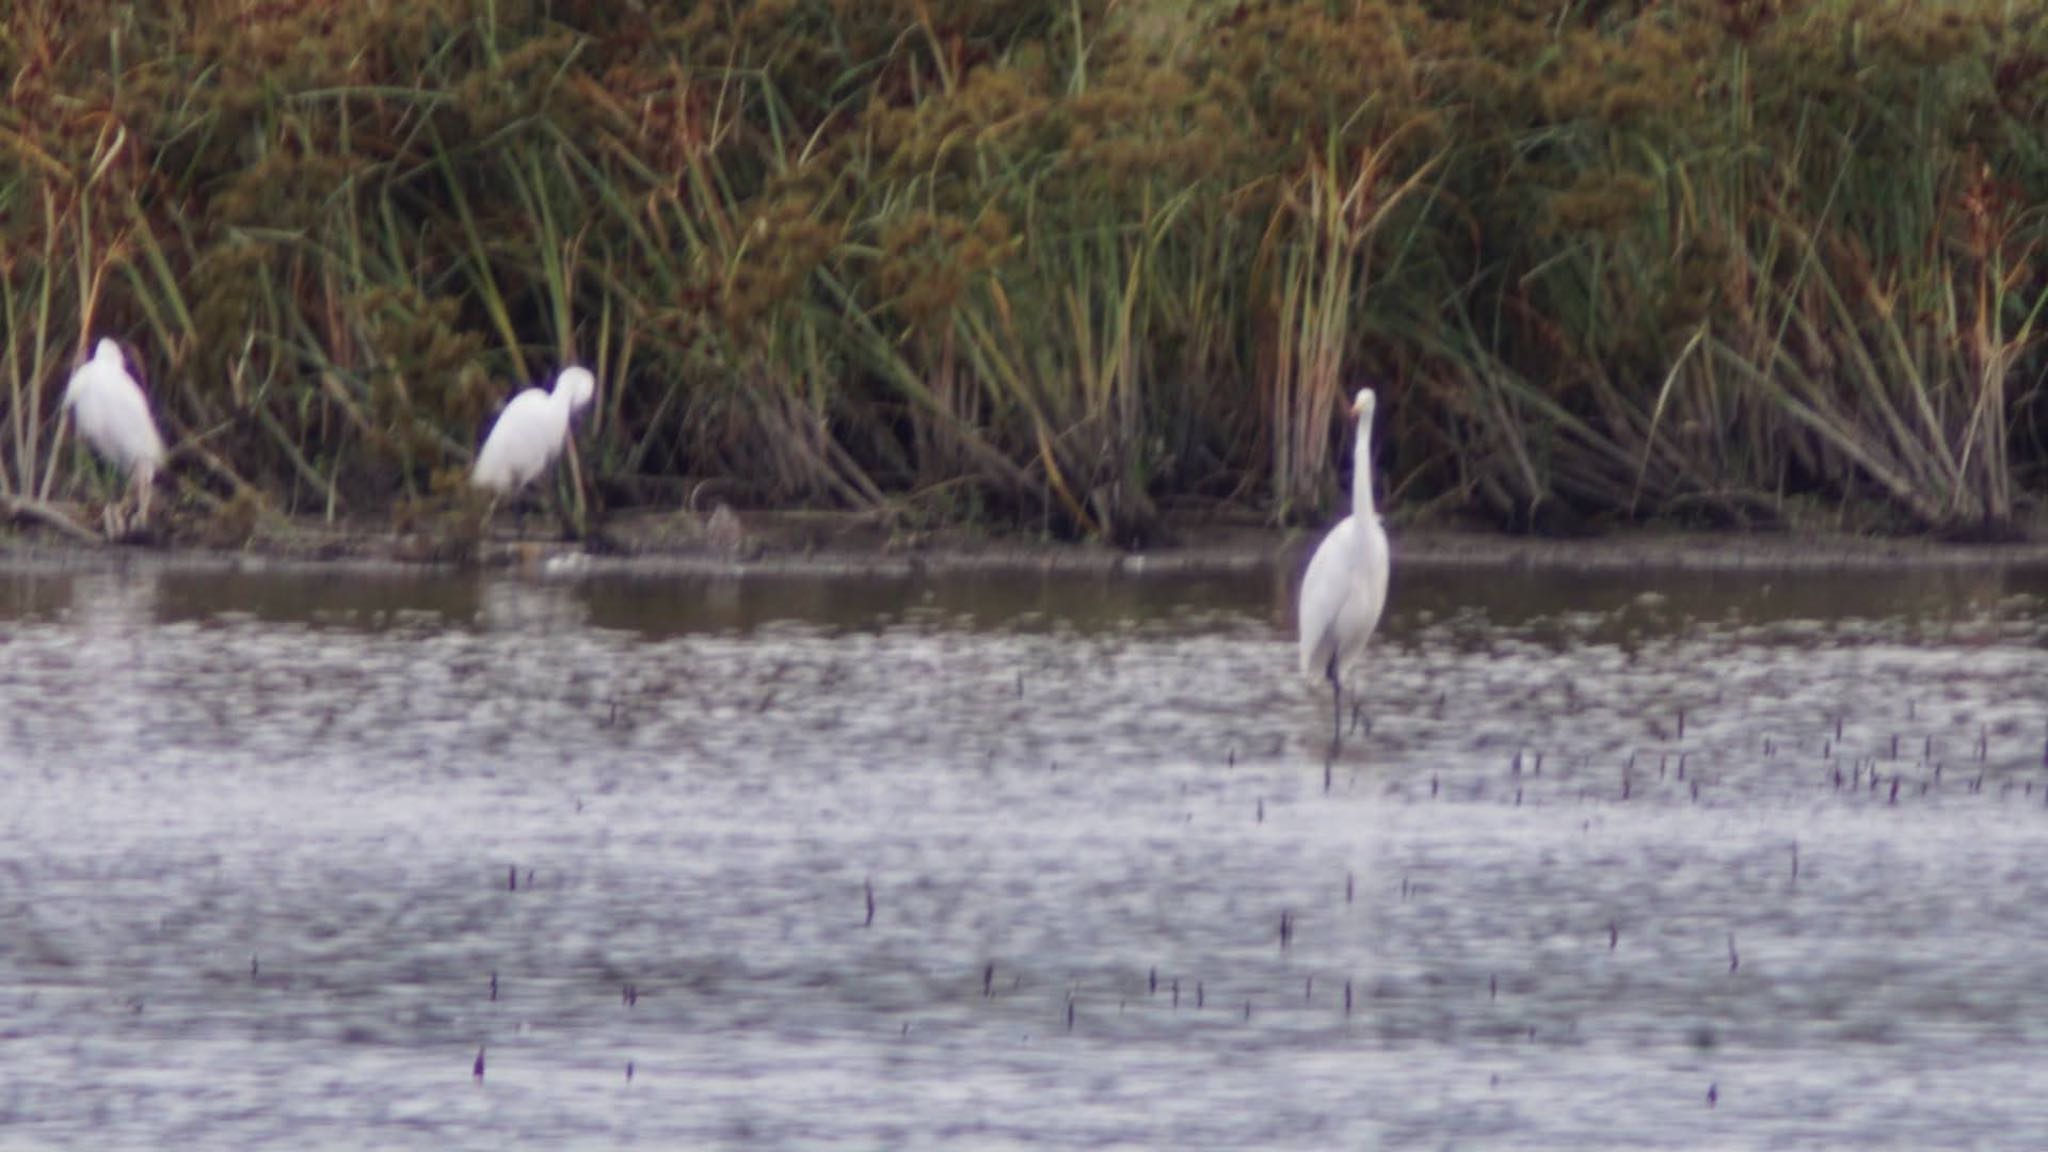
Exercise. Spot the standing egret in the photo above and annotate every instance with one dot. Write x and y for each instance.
(112, 416)
(531, 432)
(1346, 585)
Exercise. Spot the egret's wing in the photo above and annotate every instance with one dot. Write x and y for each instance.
(113, 416)
(520, 445)
(1370, 580)
(1323, 591)
(134, 428)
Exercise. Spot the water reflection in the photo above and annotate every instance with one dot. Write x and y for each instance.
(281, 851)
(1648, 603)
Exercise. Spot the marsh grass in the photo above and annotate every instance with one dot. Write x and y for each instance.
(1058, 266)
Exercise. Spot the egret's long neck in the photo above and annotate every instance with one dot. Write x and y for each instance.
(1361, 473)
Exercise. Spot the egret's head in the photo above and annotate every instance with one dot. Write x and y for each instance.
(107, 351)
(1361, 405)
(578, 386)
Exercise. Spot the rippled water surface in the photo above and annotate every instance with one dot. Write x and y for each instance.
(1625, 861)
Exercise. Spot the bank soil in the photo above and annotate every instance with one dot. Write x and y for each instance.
(825, 543)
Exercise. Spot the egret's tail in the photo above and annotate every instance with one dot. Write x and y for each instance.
(1316, 655)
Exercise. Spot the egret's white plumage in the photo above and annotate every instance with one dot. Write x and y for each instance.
(530, 432)
(1346, 585)
(112, 415)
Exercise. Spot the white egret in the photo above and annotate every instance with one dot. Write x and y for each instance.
(112, 415)
(531, 433)
(1346, 585)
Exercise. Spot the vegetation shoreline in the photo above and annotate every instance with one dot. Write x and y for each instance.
(1047, 267)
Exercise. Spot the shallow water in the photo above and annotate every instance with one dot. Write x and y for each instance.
(1602, 851)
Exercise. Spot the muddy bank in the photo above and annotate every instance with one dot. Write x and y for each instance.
(828, 544)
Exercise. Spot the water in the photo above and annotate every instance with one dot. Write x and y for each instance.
(260, 833)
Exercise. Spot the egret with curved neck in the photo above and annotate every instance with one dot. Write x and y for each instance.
(531, 433)
(1346, 586)
(112, 415)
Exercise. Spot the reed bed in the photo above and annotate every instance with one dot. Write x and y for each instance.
(1060, 267)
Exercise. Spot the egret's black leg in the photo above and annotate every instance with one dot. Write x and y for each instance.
(575, 509)
(559, 504)
(1336, 707)
(141, 482)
